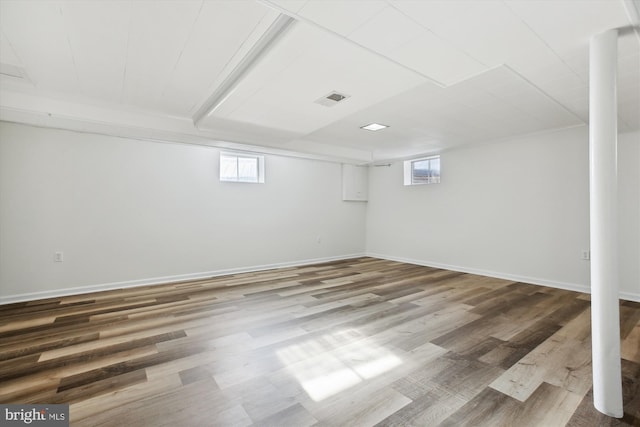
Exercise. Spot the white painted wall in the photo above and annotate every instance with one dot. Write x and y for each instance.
(516, 209)
(126, 210)
(629, 213)
(135, 212)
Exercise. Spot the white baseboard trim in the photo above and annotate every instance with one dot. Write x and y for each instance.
(31, 296)
(629, 296)
(507, 276)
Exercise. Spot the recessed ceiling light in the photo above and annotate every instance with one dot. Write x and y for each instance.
(374, 126)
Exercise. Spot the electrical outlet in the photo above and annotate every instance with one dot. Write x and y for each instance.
(58, 257)
(586, 254)
(319, 240)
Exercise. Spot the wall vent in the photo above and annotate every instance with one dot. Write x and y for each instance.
(331, 99)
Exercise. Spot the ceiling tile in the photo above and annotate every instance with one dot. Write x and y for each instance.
(36, 30)
(576, 59)
(293, 6)
(398, 30)
(436, 59)
(562, 23)
(7, 54)
(98, 34)
(339, 16)
(480, 29)
(159, 32)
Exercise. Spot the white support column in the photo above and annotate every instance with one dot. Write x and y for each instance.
(603, 144)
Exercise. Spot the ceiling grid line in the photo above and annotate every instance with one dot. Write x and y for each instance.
(298, 17)
(71, 50)
(13, 50)
(126, 59)
(390, 2)
(543, 41)
(368, 20)
(542, 92)
(186, 42)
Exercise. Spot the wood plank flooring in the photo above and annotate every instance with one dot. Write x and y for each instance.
(362, 342)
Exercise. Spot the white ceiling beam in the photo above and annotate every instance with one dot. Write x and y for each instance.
(250, 60)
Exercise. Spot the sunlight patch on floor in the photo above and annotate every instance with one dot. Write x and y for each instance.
(335, 362)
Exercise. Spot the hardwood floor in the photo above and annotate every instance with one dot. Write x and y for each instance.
(355, 342)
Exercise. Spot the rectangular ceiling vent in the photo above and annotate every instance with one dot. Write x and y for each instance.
(331, 99)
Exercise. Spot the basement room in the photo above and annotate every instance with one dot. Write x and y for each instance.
(338, 213)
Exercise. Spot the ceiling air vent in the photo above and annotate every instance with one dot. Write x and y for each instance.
(331, 99)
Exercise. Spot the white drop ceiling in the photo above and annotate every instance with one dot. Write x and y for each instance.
(441, 74)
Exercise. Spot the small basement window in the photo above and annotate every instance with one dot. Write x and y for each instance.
(422, 171)
(241, 167)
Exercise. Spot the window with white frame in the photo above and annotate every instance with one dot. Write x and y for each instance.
(425, 170)
(241, 167)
